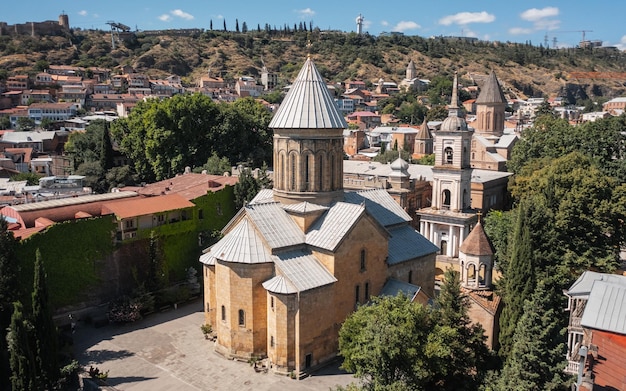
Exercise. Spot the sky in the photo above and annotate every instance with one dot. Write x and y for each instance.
(559, 21)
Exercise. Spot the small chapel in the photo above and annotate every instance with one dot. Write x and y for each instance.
(299, 258)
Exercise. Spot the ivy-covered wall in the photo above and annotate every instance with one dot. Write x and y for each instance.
(84, 265)
(71, 252)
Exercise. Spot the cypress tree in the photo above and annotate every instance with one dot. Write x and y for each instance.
(106, 150)
(9, 288)
(537, 356)
(518, 283)
(44, 329)
(462, 364)
(23, 366)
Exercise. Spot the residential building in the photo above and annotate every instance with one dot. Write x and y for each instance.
(615, 104)
(52, 111)
(299, 258)
(36, 96)
(596, 334)
(247, 86)
(17, 83)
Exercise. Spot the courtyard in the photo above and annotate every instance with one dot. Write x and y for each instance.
(167, 351)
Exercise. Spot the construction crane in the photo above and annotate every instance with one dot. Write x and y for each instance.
(115, 29)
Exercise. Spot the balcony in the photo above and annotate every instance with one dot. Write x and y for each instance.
(572, 367)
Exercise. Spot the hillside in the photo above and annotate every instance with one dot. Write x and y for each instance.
(525, 70)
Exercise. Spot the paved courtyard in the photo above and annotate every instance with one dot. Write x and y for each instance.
(167, 351)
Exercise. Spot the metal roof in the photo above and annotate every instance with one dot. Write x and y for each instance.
(279, 284)
(606, 307)
(302, 270)
(308, 104)
(406, 243)
(330, 229)
(264, 195)
(304, 207)
(380, 205)
(392, 287)
(241, 245)
(582, 286)
(491, 91)
(73, 201)
(275, 225)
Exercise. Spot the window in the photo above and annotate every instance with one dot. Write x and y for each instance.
(208, 307)
(410, 276)
(200, 214)
(367, 291)
(448, 155)
(272, 341)
(444, 247)
(308, 360)
(362, 260)
(223, 314)
(446, 199)
(272, 302)
(357, 294)
(130, 223)
(242, 318)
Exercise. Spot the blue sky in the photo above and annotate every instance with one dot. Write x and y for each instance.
(515, 21)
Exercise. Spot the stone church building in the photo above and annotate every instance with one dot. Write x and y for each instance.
(298, 259)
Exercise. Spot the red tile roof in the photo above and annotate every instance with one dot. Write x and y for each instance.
(146, 206)
(190, 186)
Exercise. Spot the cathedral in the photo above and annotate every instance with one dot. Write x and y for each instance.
(298, 259)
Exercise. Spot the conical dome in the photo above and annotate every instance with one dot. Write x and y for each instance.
(308, 104)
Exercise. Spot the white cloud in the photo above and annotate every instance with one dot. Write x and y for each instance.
(535, 14)
(467, 17)
(384, 23)
(182, 14)
(367, 23)
(547, 24)
(405, 26)
(306, 13)
(82, 13)
(220, 16)
(520, 30)
(165, 18)
(622, 43)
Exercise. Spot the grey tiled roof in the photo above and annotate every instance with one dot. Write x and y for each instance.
(606, 307)
(302, 270)
(308, 104)
(275, 225)
(491, 91)
(380, 205)
(279, 284)
(303, 207)
(392, 287)
(406, 243)
(264, 195)
(330, 229)
(242, 245)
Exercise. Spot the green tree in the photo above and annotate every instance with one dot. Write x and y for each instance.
(215, 165)
(155, 271)
(25, 124)
(427, 160)
(411, 113)
(461, 356)
(518, 282)
(22, 359)
(31, 178)
(246, 188)
(106, 150)
(391, 155)
(437, 113)
(383, 344)
(9, 292)
(44, 330)
(5, 122)
(537, 356)
(545, 109)
(94, 175)
(47, 124)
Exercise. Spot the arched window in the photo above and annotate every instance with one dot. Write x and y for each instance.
(320, 175)
(283, 172)
(306, 171)
(481, 275)
(292, 184)
(471, 273)
(363, 259)
(444, 247)
(449, 155)
(242, 318)
(488, 122)
(367, 291)
(445, 199)
(465, 199)
(223, 314)
(332, 172)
